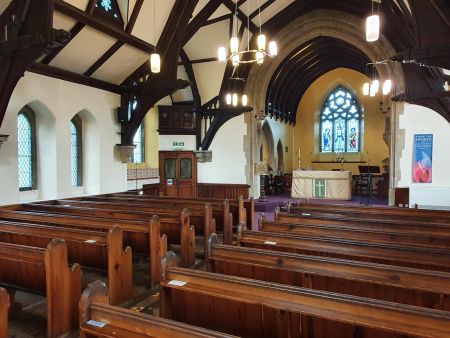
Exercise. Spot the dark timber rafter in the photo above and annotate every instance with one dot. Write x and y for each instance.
(73, 33)
(157, 86)
(26, 35)
(114, 48)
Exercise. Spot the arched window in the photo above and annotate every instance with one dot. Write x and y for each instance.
(340, 123)
(26, 142)
(138, 140)
(76, 151)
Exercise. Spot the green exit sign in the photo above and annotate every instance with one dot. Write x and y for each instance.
(178, 144)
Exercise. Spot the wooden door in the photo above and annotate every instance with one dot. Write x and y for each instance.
(178, 173)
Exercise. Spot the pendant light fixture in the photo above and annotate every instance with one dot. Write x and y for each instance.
(248, 55)
(155, 59)
(372, 27)
(373, 87)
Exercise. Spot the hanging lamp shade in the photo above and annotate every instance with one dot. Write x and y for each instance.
(261, 42)
(376, 85)
(222, 54)
(244, 100)
(235, 60)
(260, 58)
(155, 63)
(366, 88)
(387, 86)
(235, 99)
(228, 98)
(372, 28)
(234, 44)
(273, 49)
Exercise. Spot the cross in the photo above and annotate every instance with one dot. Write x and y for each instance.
(320, 185)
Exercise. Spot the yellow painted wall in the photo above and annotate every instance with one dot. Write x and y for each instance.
(306, 131)
(151, 141)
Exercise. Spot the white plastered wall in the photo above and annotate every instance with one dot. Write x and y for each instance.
(228, 157)
(421, 120)
(55, 102)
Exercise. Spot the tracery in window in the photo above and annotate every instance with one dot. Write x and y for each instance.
(340, 123)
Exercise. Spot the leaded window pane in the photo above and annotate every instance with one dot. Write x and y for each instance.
(25, 152)
(74, 145)
(138, 152)
(340, 122)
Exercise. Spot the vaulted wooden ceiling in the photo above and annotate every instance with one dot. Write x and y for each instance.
(105, 55)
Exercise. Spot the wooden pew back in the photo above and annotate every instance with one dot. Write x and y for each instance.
(256, 308)
(98, 319)
(397, 284)
(45, 271)
(4, 306)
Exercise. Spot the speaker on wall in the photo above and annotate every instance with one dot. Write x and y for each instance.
(122, 115)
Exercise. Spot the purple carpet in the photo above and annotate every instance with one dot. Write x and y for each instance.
(273, 201)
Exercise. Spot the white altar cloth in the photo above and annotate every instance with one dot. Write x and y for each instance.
(322, 184)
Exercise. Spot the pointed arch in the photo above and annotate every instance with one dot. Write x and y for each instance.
(280, 157)
(26, 152)
(340, 122)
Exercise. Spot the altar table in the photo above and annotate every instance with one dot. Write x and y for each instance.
(322, 184)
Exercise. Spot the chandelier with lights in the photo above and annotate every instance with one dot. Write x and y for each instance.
(371, 89)
(248, 55)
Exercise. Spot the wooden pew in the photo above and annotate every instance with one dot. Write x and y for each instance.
(4, 306)
(374, 211)
(422, 258)
(328, 218)
(221, 211)
(201, 218)
(136, 233)
(391, 283)
(46, 272)
(242, 209)
(407, 238)
(262, 309)
(94, 249)
(437, 229)
(98, 319)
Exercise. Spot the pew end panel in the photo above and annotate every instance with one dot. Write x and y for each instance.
(4, 305)
(120, 268)
(187, 242)
(64, 283)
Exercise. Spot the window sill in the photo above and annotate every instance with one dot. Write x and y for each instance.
(338, 162)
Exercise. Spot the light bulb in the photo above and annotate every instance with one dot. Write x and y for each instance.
(234, 44)
(222, 53)
(261, 42)
(235, 60)
(235, 99)
(273, 49)
(244, 100)
(228, 98)
(372, 90)
(387, 86)
(155, 63)
(376, 85)
(446, 86)
(372, 28)
(366, 88)
(259, 58)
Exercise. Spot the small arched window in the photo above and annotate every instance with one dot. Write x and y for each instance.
(76, 151)
(138, 141)
(26, 146)
(340, 123)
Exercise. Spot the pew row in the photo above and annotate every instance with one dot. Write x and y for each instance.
(390, 254)
(4, 305)
(373, 211)
(363, 222)
(98, 319)
(390, 283)
(136, 233)
(351, 232)
(45, 272)
(435, 229)
(255, 308)
(221, 211)
(93, 249)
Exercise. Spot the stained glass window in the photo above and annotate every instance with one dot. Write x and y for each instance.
(340, 123)
(76, 151)
(110, 8)
(26, 149)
